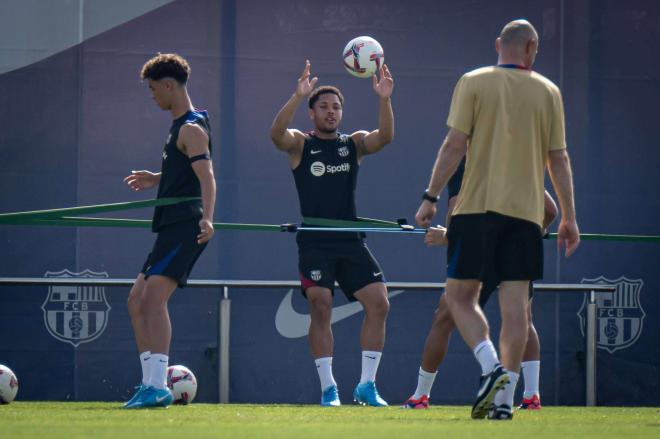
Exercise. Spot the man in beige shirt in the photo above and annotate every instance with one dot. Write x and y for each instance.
(510, 122)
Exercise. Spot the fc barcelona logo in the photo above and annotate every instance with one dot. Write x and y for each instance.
(315, 275)
(76, 314)
(619, 315)
(343, 151)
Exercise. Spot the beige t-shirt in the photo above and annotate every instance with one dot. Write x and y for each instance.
(514, 117)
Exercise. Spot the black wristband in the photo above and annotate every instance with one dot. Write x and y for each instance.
(427, 197)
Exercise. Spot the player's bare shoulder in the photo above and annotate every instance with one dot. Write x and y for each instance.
(358, 138)
(192, 135)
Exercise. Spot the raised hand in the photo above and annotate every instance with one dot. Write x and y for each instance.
(305, 86)
(384, 83)
(139, 180)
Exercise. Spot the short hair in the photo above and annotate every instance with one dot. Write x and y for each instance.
(325, 89)
(518, 32)
(166, 65)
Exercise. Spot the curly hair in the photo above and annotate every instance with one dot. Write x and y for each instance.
(325, 89)
(166, 65)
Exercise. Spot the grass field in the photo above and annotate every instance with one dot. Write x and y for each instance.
(72, 420)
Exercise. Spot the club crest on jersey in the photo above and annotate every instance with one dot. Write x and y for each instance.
(76, 314)
(619, 315)
(343, 151)
(315, 275)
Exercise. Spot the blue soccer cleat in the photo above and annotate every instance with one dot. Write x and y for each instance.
(152, 397)
(366, 394)
(330, 397)
(138, 390)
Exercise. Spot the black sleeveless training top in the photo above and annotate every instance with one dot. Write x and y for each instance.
(326, 179)
(178, 178)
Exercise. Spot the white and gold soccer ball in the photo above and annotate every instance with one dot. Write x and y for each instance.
(8, 385)
(183, 384)
(363, 56)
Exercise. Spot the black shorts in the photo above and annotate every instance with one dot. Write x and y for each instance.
(175, 251)
(350, 263)
(492, 246)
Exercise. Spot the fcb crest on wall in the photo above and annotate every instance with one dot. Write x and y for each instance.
(76, 314)
(619, 315)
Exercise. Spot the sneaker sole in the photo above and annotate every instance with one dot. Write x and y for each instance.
(365, 403)
(481, 409)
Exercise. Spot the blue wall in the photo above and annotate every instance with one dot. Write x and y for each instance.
(76, 123)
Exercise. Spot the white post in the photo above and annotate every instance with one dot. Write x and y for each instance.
(591, 351)
(223, 347)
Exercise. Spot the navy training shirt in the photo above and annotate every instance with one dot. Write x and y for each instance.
(326, 179)
(178, 178)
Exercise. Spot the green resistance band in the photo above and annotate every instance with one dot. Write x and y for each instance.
(20, 217)
(63, 217)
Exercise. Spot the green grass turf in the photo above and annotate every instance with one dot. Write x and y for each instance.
(71, 420)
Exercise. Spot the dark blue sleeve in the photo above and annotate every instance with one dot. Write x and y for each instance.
(454, 185)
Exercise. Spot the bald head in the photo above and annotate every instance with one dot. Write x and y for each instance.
(518, 43)
(518, 33)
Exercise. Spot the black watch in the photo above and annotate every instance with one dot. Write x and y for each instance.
(427, 197)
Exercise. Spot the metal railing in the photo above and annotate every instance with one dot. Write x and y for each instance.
(225, 312)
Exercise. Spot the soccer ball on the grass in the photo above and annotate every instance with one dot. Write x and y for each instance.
(182, 383)
(8, 385)
(363, 56)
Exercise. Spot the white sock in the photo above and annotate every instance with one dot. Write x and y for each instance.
(370, 361)
(486, 356)
(424, 383)
(505, 396)
(530, 371)
(324, 368)
(158, 370)
(145, 363)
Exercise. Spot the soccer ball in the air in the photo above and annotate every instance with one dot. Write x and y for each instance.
(8, 385)
(182, 383)
(363, 56)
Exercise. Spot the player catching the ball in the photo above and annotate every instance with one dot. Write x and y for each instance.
(325, 166)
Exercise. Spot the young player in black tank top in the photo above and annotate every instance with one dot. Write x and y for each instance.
(325, 165)
(183, 229)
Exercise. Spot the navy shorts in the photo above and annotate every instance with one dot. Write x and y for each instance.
(492, 246)
(350, 263)
(175, 251)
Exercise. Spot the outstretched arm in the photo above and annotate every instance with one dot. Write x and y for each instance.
(195, 142)
(449, 157)
(285, 139)
(374, 141)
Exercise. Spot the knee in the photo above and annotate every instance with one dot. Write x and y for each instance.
(151, 303)
(443, 320)
(512, 316)
(380, 308)
(134, 304)
(320, 308)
